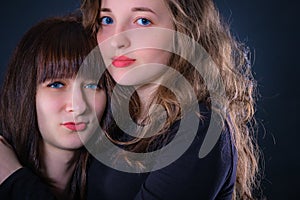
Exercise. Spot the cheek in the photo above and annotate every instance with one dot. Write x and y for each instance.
(41, 108)
(47, 104)
(104, 44)
(99, 38)
(160, 39)
(48, 107)
(154, 56)
(44, 111)
(103, 35)
(99, 104)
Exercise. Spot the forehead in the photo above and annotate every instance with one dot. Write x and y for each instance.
(155, 5)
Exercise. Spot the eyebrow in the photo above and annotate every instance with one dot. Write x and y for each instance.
(136, 9)
(142, 9)
(105, 10)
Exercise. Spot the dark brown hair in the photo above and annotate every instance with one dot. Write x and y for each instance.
(54, 48)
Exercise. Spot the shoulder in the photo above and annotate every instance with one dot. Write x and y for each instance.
(23, 184)
(191, 177)
(209, 176)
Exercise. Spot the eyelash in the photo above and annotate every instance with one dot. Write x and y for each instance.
(55, 84)
(98, 87)
(106, 17)
(149, 22)
(52, 84)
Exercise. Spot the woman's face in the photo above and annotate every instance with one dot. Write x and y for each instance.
(68, 111)
(135, 39)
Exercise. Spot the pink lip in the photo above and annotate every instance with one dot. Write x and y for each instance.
(122, 61)
(80, 126)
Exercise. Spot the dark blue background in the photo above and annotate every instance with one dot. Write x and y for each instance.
(269, 28)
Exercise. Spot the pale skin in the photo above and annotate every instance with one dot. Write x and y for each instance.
(9, 162)
(136, 15)
(68, 112)
(135, 29)
(59, 103)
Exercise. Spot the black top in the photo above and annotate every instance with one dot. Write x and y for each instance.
(189, 177)
(24, 185)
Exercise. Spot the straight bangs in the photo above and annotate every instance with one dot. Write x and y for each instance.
(64, 50)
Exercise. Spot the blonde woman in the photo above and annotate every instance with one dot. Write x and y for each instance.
(133, 35)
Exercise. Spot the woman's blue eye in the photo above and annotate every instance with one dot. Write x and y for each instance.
(106, 20)
(92, 86)
(55, 85)
(144, 22)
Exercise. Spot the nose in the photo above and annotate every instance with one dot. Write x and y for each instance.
(77, 103)
(120, 40)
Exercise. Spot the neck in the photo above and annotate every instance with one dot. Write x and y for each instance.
(58, 167)
(145, 93)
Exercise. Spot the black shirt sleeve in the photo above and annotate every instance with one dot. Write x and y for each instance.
(24, 185)
(191, 177)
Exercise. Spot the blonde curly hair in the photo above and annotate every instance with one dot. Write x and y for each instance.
(200, 20)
